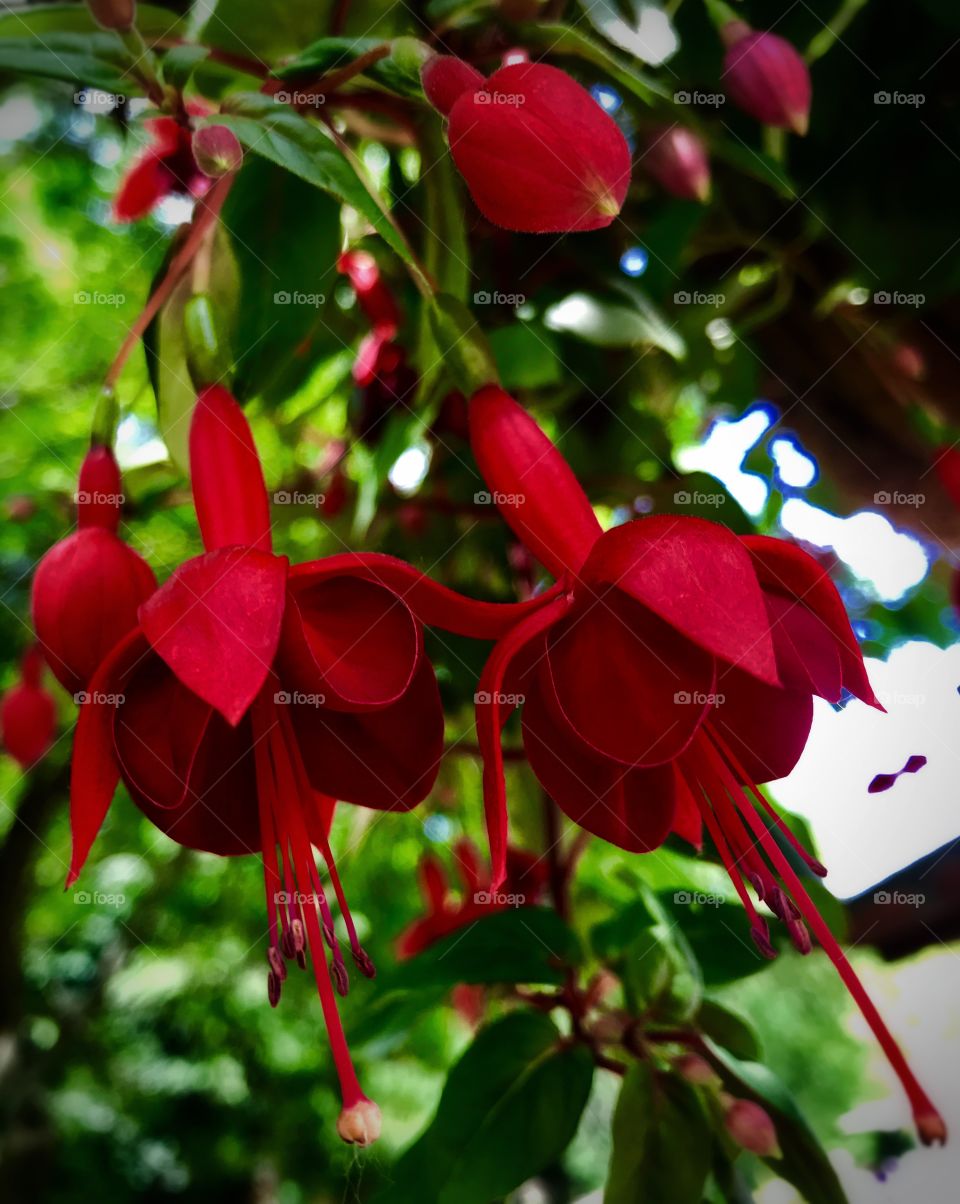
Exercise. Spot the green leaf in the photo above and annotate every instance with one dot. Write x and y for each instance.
(285, 236)
(523, 944)
(96, 60)
(461, 344)
(256, 29)
(718, 933)
(42, 19)
(804, 1163)
(662, 1143)
(509, 1109)
(278, 133)
(326, 54)
(565, 39)
(608, 323)
(729, 1030)
(526, 357)
(180, 63)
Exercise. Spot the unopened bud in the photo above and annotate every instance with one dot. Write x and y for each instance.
(696, 1069)
(360, 1124)
(677, 160)
(766, 77)
(216, 150)
(113, 14)
(751, 1128)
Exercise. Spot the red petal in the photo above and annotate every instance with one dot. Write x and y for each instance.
(538, 153)
(28, 720)
(687, 821)
(94, 771)
(434, 604)
(531, 482)
(807, 654)
(216, 622)
(628, 684)
(385, 759)
(167, 135)
(99, 490)
(147, 181)
(694, 574)
(86, 593)
(631, 808)
(352, 641)
(786, 569)
(766, 727)
(446, 78)
(228, 487)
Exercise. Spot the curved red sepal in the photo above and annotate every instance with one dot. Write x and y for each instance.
(533, 485)
(434, 604)
(694, 574)
(216, 622)
(229, 492)
(99, 490)
(445, 78)
(94, 772)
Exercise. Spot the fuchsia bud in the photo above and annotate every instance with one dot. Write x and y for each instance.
(217, 151)
(538, 153)
(28, 716)
(677, 160)
(113, 14)
(766, 77)
(87, 588)
(359, 1124)
(696, 1069)
(750, 1127)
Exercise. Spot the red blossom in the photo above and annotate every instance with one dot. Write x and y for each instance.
(536, 150)
(88, 587)
(166, 166)
(766, 77)
(28, 716)
(672, 673)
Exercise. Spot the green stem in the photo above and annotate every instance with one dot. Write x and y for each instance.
(834, 30)
(143, 64)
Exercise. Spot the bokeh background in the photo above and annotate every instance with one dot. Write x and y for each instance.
(783, 358)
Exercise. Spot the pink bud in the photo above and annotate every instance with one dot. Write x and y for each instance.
(28, 716)
(360, 1124)
(677, 160)
(113, 14)
(696, 1069)
(766, 77)
(217, 151)
(751, 1128)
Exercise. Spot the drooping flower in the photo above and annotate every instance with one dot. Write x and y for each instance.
(538, 153)
(672, 674)
(28, 716)
(252, 693)
(766, 77)
(166, 166)
(88, 587)
(677, 160)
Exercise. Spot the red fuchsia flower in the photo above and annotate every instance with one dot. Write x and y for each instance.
(536, 150)
(252, 693)
(88, 587)
(673, 673)
(28, 716)
(166, 166)
(523, 885)
(677, 160)
(766, 77)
